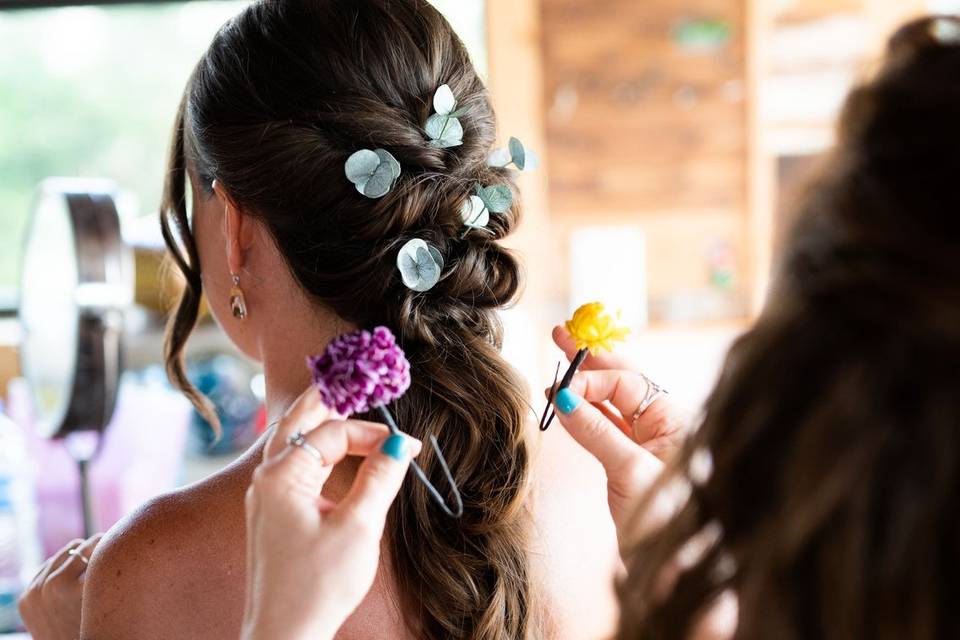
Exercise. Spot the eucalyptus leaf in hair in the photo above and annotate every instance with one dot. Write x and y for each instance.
(420, 265)
(499, 158)
(444, 131)
(517, 154)
(525, 159)
(444, 127)
(475, 213)
(372, 172)
(444, 102)
(498, 198)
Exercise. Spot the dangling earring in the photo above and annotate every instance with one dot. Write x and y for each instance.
(238, 304)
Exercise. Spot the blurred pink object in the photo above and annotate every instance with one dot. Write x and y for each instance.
(141, 457)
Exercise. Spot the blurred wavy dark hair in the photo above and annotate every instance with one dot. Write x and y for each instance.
(834, 431)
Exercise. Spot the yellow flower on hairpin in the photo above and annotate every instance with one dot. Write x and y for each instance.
(594, 329)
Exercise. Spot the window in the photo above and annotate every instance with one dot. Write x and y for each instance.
(92, 91)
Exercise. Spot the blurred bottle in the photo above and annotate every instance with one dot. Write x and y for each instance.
(20, 554)
(226, 381)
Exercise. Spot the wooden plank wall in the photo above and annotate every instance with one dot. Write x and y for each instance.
(641, 130)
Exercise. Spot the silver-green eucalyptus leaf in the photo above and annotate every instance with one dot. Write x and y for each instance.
(444, 101)
(475, 213)
(436, 255)
(518, 153)
(499, 158)
(428, 271)
(372, 172)
(444, 127)
(361, 165)
(435, 126)
(498, 198)
(444, 131)
(380, 182)
(387, 158)
(420, 265)
(532, 160)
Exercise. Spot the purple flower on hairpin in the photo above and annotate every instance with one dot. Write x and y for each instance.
(361, 371)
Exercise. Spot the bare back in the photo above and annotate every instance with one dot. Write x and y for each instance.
(176, 568)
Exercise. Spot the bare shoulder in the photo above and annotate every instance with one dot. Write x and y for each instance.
(576, 558)
(175, 567)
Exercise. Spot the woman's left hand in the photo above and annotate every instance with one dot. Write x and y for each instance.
(606, 410)
(310, 562)
(660, 429)
(50, 607)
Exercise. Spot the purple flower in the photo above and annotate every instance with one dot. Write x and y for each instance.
(361, 371)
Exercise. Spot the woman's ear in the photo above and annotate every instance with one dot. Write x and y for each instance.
(238, 229)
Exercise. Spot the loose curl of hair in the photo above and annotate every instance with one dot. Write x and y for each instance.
(834, 431)
(283, 96)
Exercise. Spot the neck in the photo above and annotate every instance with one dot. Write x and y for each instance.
(284, 347)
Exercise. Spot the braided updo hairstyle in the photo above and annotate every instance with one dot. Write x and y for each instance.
(287, 91)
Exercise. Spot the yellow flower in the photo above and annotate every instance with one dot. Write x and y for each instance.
(595, 329)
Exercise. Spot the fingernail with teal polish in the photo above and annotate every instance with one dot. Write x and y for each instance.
(396, 447)
(567, 401)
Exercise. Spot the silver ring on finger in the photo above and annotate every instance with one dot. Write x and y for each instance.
(299, 440)
(653, 393)
(54, 562)
(76, 553)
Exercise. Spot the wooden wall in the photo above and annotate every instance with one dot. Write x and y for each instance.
(642, 130)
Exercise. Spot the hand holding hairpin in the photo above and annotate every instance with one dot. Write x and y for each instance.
(361, 371)
(594, 330)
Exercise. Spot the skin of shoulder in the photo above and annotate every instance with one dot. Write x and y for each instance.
(175, 567)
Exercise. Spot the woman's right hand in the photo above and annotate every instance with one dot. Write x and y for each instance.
(311, 561)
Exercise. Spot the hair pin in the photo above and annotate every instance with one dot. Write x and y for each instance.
(363, 371)
(516, 154)
(477, 208)
(420, 265)
(594, 330)
(373, 172)
(444, 127)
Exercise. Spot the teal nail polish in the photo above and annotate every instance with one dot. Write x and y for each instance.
(567, 401)
(396, 447)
